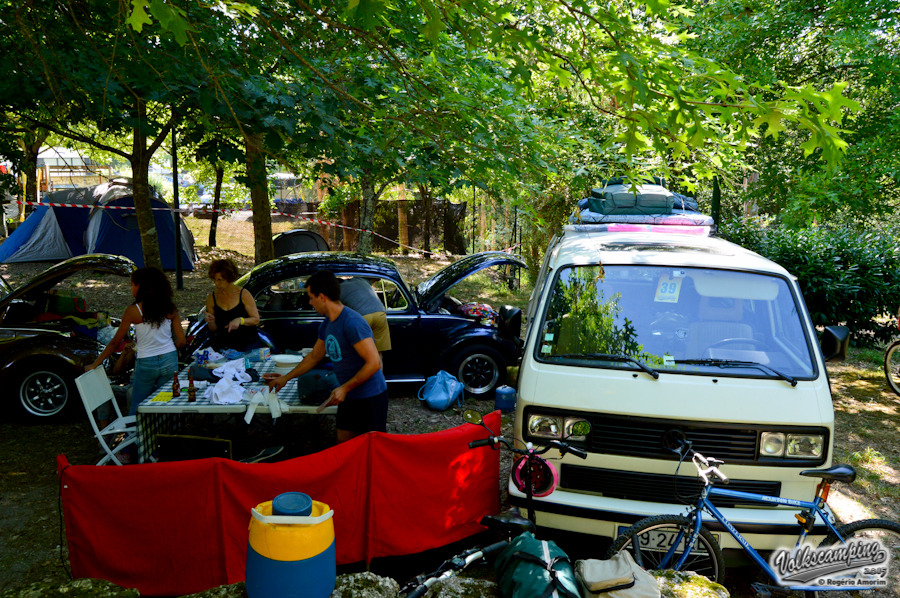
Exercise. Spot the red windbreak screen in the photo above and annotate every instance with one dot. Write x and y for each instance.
(180, 528)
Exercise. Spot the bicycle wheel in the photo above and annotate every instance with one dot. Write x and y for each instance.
(892, 366)
(888, 533)
(650, 539)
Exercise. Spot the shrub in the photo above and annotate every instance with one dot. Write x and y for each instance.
(847, 276)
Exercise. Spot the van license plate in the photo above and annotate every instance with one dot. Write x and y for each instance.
(661, 540)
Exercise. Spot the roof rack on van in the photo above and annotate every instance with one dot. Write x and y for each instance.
(647, 208)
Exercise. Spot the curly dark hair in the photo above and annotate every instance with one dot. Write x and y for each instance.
(226, 267)
(154, 294)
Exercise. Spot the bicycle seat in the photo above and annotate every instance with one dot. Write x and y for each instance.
(509, 523)
(837, 473)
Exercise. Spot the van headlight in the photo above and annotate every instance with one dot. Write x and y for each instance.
(558, 427)
(545, 426)
(791, 446)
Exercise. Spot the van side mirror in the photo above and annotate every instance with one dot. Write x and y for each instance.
(834, 342)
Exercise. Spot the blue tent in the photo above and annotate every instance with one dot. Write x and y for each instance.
(116, 231)
(51, 233)
(57, 233)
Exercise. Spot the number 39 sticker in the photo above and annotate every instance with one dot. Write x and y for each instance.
(668, 289)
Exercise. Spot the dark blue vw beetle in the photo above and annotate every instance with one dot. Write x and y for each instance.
(428, 330)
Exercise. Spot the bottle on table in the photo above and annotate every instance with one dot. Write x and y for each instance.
(176, 386)
(192, 390)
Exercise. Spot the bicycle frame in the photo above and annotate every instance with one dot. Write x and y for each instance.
(704, 504)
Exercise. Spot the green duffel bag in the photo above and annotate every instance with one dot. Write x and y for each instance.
(532, 568)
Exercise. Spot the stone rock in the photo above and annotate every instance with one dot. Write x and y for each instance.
(79, 588)
(235, 590)
(687, 584)
(355, 585)
(365, 585)
(463, 587)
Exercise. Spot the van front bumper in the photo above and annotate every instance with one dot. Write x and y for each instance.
(764, 528)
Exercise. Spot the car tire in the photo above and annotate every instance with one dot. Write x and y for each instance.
(43, 392)
(480, 368)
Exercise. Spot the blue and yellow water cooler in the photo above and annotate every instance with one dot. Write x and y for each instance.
(291, 552)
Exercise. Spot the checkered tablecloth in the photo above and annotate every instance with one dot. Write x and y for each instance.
(163, 417)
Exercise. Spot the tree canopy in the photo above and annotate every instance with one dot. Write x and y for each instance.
(506, 96)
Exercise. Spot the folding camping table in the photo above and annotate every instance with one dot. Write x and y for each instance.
(156, 416)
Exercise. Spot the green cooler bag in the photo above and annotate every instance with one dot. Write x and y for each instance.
(532, 568)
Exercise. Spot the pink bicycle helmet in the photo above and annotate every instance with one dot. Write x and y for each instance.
(544, 476)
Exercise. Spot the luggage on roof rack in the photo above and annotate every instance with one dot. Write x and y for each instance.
(622, 199)
(619, 206)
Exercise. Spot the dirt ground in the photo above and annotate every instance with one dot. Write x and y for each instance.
(867, 422)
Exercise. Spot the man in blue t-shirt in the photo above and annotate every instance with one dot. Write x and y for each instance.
(346, 338)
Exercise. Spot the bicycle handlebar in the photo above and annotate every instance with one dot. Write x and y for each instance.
(559, 445)
(456, 564)
(482, 442)
(706, 466)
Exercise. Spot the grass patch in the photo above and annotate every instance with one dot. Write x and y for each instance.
(871, 356)
(235, 235)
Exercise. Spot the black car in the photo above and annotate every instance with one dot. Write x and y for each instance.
(42, 353)
(430, 330)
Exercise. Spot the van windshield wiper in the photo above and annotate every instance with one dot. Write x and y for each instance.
(732, 363)
(611, 357)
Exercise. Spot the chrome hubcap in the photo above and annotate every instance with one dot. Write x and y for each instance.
(43, 394)
(478, 373)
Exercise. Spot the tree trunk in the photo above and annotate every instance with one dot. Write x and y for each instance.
(140, 169)
(31, 146)
(367, 213)
(350, 218)
(402, 226)
(425, 194)
(217, 202)
(259, 197)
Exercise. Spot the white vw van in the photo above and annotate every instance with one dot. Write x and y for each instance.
(640, 330)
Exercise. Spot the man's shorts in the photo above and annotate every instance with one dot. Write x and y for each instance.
(363, 415)
(380, 331)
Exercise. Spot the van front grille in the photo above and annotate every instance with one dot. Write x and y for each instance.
(651, 487)
(642, 437)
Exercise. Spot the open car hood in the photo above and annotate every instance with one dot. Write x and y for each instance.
(46, 280)
(430, 292)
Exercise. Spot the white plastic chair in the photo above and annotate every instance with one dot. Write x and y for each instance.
(95, 391)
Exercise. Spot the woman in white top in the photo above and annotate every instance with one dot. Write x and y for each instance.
(157, 330)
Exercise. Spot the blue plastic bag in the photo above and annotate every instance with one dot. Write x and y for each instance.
(441, 391)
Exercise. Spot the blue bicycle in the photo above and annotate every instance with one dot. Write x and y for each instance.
(682, 542)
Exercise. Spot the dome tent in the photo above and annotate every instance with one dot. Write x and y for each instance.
(116, 231)
(51, 233)
(58, 232)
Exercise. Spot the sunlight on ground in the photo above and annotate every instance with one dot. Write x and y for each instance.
(847, 509)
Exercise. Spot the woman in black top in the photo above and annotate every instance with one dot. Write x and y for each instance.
(231, 312)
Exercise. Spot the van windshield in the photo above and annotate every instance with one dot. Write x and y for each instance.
(692, 320)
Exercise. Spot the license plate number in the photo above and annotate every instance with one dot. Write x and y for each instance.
(661, 540)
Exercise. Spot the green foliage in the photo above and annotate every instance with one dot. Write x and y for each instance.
(790, 43)
(846, 275)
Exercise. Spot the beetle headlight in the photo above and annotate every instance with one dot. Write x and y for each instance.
(791, 446)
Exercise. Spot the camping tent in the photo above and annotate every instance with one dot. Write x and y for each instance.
(53, 233)
(116, 231)
(297, 241)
